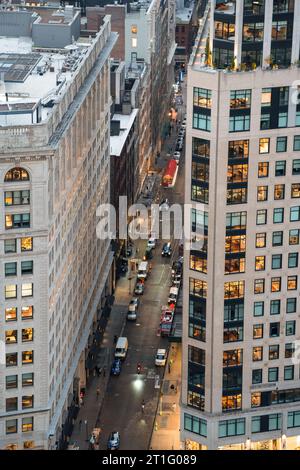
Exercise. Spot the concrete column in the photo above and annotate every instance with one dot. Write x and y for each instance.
(267, 31)
(296, 34)
(237, 52)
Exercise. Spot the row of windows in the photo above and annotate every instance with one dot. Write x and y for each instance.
(11, 245)
(11, 381)
(16, 198)
(281, 144)
(273, 374)
(277, 238)
(17, 221)
(11, 425)
(279, 192)
(276, 261)
(11, 359)
(279, 168)
(11, 290)
(274, 329)
(10, 269)
(11, 313)
(275, 284)
(278, 215)
(274, 349)
(11, 336)
(12, 403)
(275, 307)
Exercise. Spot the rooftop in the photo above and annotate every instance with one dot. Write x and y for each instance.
(184, 15)
(117, 141)
(34, 76)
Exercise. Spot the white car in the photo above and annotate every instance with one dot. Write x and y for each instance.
(151, 243)
(161, 357)
(176, 155)
(164, 205)
(183, 125)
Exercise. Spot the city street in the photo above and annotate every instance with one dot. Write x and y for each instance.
(120, 406)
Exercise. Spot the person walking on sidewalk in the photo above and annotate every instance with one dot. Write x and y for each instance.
(143, 406)
(80, 423)
(98, 392)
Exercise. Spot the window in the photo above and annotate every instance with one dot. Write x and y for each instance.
(26, 267)
(259, 286)
(10, 246)
(198, 264)
(296, 167)
(256, 398)
(295, 214)
(260, 262)
(16, 198)
(262, 193)
(16, 174)
(261, 217)
(280, 168)
(11, 336)
(281, 144)
(295, 190)
(10, 314)
(257, 376)
(27, 335)
(235, 244)
(257, 353)
(237, 173)
(27, 312)
(291, 305)
(27, 290)
(27, 423)
(133, 42)
(265, 119)
(234, 290)
(224, 30)
(202, 121)
(232, 427)
(282, 119)
(240, 99)
(27, 401)
(266, 95)
(289, 373)
(11, 404)
(28, 379)
(234, 265)
(10, 269)
(294, 237)
(264, 145)
(277, 238)
(263, 170)
(202, 97)
(292, 282)
(238, 149)
(260, 241)
(27, 357)
(275, 307)
(258, 310)
(236, 196)
(11, 359)
(266, 423)
(11, 381)
(293, 260)
(17, 221)
(290, 328)
(296, 143)
(258, 331)
(195, 425)
(279, 30)
(11, 426)
(201, 147)
(11, 291)
(26, 244)
(289, 350)
(236, 220)
(273, 374)
(239, 123)
(273, 352)
(233, 357)
(279, 191)
(274, 329)
(278, 215)
(276, 261)
(275, 284)
(293, 419)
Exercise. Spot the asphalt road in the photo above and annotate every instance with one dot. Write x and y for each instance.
(121, 410)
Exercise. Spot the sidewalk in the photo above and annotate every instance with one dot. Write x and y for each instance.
(91, 408)
(165, 435)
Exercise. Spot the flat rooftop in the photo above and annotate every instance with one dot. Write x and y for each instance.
(34, 79)
(117, 141)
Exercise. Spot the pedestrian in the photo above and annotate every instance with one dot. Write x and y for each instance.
(169, 367)
(80, 423)
(98, 392)
(143, 406)
(115, 340)
(104, 370)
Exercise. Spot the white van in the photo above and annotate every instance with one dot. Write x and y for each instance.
(143, 269)
(173, 294)
(121, 348)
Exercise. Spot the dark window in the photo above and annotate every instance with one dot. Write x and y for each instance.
(281, 144)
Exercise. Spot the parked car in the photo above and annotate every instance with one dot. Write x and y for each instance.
(132, 312)
(148, 253)
(183, 125)
(161, 357)
(179, 145)
(151, 243)
(176, 280)
(113, 441)
(164, 205)
(116, 367)
(139, 288)
(134, 301)
(166, 250)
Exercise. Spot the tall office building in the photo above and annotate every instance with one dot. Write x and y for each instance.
(54, 173)
(240, 379)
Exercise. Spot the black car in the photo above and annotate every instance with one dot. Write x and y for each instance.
(166, 250)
